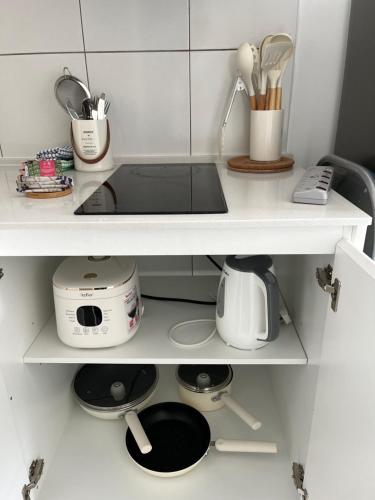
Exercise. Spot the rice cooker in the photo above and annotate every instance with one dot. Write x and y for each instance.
(97, 301)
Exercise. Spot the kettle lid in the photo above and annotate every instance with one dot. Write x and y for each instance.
(249, 264)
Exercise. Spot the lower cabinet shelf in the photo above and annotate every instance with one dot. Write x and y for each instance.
(92, 460)
(151, 343)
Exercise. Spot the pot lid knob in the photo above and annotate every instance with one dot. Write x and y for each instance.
(203, 380)
(118, 391)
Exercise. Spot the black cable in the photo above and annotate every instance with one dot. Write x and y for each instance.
(214, 262)
(174, 299)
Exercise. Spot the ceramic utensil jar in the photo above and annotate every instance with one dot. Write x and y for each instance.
(265, 134)
(208, 388)
(91, 141)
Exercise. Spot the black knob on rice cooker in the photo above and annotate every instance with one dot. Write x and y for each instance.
(94, 385)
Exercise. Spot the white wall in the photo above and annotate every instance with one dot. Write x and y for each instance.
(317, 80)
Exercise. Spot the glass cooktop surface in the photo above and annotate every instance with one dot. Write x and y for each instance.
(158, 189)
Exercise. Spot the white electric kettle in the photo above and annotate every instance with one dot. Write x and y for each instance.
(247, 311)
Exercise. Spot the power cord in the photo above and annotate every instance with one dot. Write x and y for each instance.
(175, 299)
(214, 262)
(174, 329)
(187, 301)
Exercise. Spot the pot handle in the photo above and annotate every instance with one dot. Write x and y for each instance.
(240, 411)
(138, 432)
(239, 446)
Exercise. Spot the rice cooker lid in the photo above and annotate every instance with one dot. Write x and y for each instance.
(91, 273)
(204, 378)
(114, 387)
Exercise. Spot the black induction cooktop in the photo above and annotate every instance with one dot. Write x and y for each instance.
(158, 189)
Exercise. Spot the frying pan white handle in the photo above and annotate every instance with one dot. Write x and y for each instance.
(239, 410)
(138, 432)
(235, 445)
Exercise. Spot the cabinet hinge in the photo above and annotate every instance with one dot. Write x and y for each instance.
(35, 473)
(324, 277)
(1, 273)
(298, 476)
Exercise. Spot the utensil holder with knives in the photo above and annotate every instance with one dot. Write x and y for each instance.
(91, 142)
(89, 130)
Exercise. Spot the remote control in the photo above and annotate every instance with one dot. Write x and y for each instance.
(314, 186)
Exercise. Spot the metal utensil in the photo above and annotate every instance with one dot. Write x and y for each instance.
(101, 107)
(87, 108)
(245, 64)
(71, 111)
(69, 87)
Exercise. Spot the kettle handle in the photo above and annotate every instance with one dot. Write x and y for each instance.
(272, 304)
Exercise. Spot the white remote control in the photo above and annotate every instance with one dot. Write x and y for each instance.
(314, 186)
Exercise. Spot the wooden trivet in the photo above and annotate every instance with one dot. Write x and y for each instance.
(244, 164)
(55, 194)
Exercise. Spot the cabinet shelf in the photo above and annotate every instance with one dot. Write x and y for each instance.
(92, 461)
(151, 344)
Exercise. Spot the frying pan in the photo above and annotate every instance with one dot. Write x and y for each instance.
(180, 437)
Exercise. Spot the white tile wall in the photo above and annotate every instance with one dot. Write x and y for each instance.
(135, 24)
(212, 75)
(30, 117)
(165, 100)
(221, 24)
(150, 100)
(40, 26)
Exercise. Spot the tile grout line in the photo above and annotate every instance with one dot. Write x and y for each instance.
(189, 37)
(117, 51)
(84, 44)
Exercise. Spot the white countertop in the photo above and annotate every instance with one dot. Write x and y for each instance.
(261, 218)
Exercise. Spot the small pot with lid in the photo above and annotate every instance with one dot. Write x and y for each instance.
(208, 388)
(115, 391)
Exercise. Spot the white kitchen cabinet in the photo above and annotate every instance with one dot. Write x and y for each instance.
(313, 390)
